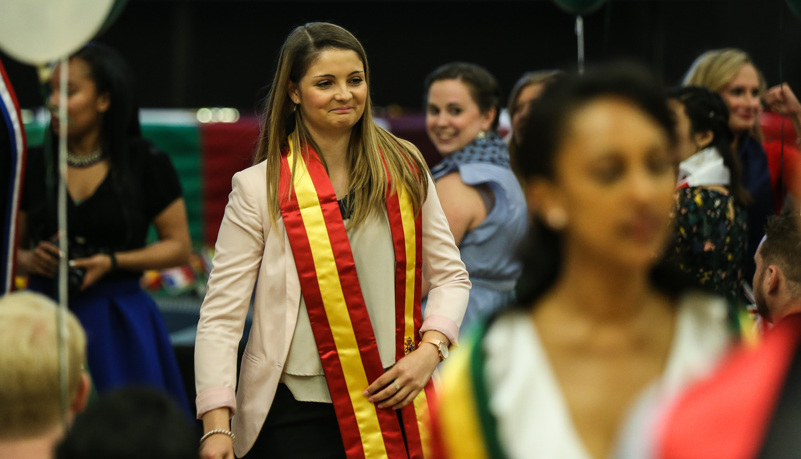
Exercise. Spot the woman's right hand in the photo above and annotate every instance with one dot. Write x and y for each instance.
(783, 101)
(217, 446)
(43, 260)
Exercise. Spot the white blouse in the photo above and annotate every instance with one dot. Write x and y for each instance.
(374, 255)
(533, 417)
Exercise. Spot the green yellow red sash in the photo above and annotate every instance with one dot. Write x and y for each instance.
(340, 322)
(462, 424)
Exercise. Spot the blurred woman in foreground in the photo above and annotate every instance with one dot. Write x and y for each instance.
(606, 328)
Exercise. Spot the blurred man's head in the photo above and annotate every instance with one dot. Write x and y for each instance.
(777, 280)
(30, 403)
(131, 423)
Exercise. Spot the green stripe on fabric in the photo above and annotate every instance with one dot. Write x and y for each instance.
(489, 424)
(181, 142)
(34, 133)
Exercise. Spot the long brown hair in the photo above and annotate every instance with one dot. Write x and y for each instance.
(368, 142)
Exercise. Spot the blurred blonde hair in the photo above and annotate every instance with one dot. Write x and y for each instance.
(29, 377)
(717, 68)
(368, 142)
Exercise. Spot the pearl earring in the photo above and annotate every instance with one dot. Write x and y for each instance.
(556, 218)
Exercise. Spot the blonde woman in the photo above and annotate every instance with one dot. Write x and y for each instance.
(732, 74)
(335, 225)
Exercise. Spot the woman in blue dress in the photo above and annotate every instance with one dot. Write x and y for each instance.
(481, 197)
(118, 185)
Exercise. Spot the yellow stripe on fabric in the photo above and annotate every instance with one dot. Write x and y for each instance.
(336, 310)
(410, 239)
(458, 419)
(423, 421)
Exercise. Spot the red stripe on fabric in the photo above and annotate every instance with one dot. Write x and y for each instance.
(438, 448)
(346, 266)
(408, 414)
(349, 280)
(335, 377)
(741, 396)
(360, 319)
(410, 422)
(20, 178)
(399, 241)
(226, 149)
(17, 110)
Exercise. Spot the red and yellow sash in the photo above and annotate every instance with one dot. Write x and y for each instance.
(340, 322)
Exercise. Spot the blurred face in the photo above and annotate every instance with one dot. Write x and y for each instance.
(453, 119)
(331, 96)
(615, 182)
(521, 108)
(742, 97)
(85, 107)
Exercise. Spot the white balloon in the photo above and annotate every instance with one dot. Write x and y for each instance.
(41, 31)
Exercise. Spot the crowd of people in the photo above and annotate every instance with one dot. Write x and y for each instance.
(591, 268)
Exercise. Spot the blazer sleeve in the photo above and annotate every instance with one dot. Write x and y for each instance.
(444, 270)
(237, 259)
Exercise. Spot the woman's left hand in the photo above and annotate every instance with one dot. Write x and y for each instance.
(96, 267)
(400, 384)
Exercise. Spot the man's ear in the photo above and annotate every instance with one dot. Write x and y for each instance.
(775, 277)
(82, 395)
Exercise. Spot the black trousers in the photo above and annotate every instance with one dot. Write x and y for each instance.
(298, 430)
(301, 430)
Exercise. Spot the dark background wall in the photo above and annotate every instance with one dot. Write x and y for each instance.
(195, 53)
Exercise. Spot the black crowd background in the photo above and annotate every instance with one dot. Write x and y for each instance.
(200, 53)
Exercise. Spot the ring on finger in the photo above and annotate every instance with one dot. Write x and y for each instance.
(397, 387)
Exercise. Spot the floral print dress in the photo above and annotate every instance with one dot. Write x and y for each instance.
(711, 239)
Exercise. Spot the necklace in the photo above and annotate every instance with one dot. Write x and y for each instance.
(82, 161)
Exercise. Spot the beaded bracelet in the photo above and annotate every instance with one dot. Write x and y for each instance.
(218, 431)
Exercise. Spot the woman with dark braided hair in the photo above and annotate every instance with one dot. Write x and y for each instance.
(711, 221)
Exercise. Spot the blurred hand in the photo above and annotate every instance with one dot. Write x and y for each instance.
(411, 374)
(217, 447)
(783, 101)
(96, 267)
(44, 259)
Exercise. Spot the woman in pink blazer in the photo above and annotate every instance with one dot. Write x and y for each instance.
(330, 234)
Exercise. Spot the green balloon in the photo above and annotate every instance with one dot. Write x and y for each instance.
(586, 6)
(795, 7)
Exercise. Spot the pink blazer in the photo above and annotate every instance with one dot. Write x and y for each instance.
(254, 259)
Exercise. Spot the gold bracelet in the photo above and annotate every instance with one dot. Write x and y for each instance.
(218, 431)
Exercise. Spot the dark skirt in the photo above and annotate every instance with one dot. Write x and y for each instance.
(127, 342)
